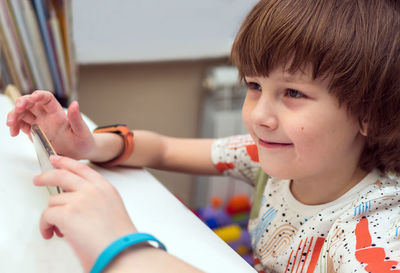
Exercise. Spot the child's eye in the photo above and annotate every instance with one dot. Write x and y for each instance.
(292, 93)
(253, 86)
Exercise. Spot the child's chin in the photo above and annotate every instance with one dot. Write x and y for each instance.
(277, 172)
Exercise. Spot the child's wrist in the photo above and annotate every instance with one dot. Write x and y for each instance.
(119, 246)
(124, 134)
(106, 147)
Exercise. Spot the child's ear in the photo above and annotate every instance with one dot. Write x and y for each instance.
(364, 127)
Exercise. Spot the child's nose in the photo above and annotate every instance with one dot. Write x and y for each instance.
(264, 114)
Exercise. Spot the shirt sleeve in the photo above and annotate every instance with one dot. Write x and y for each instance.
(367, 239)
(236, 156)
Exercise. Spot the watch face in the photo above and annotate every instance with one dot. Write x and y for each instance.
(43, 151)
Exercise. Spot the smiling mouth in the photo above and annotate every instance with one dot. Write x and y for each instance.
(271, 145)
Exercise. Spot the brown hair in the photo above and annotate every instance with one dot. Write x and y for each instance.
(356, 43)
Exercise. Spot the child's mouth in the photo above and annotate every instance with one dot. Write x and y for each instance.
(272, 145)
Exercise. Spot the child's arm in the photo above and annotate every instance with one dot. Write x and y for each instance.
(159, 152)
(91, 215)
(141, 259)
(71, 137)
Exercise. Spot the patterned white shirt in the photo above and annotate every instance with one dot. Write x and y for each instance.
(358, 232)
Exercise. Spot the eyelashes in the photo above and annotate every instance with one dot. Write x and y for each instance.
(253, 86)
(293, 93)
(288, 92)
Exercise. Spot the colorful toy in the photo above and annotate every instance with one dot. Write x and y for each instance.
(230, 223)
(238, 208)
(236, 237)
(213, 215)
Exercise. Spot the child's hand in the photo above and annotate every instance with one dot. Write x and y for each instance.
(68, 134)
(90, 214)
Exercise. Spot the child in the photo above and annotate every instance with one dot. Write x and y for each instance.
(322, 108)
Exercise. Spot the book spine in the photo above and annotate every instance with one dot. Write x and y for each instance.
(63, 13)
(26, 42)
(43, 25)
(6, 57)
(35, 40)
(16, 51)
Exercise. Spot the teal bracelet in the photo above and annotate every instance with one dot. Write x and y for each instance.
(120, 245)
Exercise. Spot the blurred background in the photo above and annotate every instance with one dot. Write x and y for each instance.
(151, 64)
(161, 66)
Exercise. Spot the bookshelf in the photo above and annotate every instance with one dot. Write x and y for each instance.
(36, 49)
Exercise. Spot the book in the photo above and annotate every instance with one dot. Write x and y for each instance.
(17, 53)
(58, 45)
(7, 60)
(25, 41)
(63, 11)
(5, 77)
(37, 49)
(43, 18)
(32, 42)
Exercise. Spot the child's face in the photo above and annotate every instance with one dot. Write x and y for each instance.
(299, 128)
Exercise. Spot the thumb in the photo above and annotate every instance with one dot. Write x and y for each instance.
(78, 126)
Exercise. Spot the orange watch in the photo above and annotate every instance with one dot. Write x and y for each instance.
(126, 134)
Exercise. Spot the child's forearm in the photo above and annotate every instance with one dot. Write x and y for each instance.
(173, 154)
(148, 259)
(157, 151)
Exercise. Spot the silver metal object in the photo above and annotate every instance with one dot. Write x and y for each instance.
(43, 151)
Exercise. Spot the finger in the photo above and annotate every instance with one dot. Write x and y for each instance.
(12, 123)
(28, 117)
(78, 126)
(25, 127)
(75, 167)
(20, 102)
(23, 123)
(68, 181)
(50, 220)
(14, 130)
(25, 110)
(23, 103)
(58, 232)
(60, 199)
(11, 118)
(47, 100)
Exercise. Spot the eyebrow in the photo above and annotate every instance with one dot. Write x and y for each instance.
(291, 79)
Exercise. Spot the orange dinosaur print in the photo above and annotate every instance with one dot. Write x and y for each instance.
(374, 257)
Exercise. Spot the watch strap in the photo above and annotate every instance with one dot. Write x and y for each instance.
(128, 138)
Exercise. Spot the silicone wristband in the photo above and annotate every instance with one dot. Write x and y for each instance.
(128, 138)
(120, 245)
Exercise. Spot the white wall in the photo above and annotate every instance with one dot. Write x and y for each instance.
(110, 31)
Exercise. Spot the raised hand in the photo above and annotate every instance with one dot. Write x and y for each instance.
(90, 214)
(68, 133)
